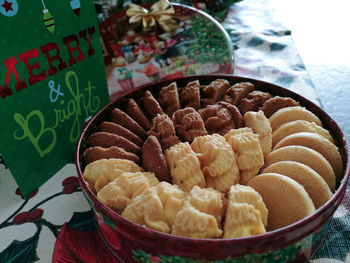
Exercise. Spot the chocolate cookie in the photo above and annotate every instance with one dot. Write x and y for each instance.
(106, 140)
(120, 117)
(214, 91)
(97, 153)
(169, 99)
(112, 127)
(190, 96)
(188, 124)
(151, 105)
(237, 92)
(163, 129)
(137, 114)
(153, 159)
(253, 101)
(273, 104)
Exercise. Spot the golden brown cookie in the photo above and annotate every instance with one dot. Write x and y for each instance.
(286, 200)
(168, 98)
(120, 117)
(106, 140)
(151, 105)
(153, 159)
(163, 129)
(275, 103)
(190, 96)
(237, 92)
(306, 156)
(112, 127)
(288, 114)
(135, 112)
(188, 124)
(214, 91)
(319, 144)
(313, 183)
(299, 126)
(97, 153)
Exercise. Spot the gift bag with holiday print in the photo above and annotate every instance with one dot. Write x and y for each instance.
(52, 80)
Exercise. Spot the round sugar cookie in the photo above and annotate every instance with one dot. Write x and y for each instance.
(299, 126)
(306, 156)
(292, 114)
(313, 183)
(319, 144)
(285, 199)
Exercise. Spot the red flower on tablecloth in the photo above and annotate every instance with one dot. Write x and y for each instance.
(30, 216)
(18, 192)
(70, 184)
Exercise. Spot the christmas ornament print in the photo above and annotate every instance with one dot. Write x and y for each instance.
(48, 21)
(75, 5)
(8, 7)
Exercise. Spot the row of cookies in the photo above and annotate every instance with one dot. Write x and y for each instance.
(123, 135)
(200, 213)
(302, 169)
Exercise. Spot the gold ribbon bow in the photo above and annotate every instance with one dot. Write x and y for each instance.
(161, 12)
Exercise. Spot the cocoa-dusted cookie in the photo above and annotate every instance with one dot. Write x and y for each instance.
(169, 98)
(253, 101)
(163, 129)
(115, 128)
(106, 140)
(220, 119)
(275, 103)
(214, 91)
(190, 95)
(97, 153)
(236, 115)
(151, 105)
(237, 92)
(135, 112)
(120, 117)
(188, 124)
(153, 159)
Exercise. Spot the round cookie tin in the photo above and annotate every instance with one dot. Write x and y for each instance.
(134, 243)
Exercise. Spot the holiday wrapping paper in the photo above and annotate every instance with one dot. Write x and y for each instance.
(52, 80)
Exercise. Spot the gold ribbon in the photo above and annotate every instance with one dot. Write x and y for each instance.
(161, 12)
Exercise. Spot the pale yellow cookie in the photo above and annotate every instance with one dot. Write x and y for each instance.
(319, 144)
(298, 126)
(246, 194)
(247, 149)
(286, 200)
(101, 172)
(209, 201)
(313, 183)
(242, 220)
(306, 156)
(184, 166)
(260, 126)
(156, 207)
(288, 114)
(190, 222)
(217, 160)
(119, 193)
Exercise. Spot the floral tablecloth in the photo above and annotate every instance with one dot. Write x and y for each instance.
(55, 224)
